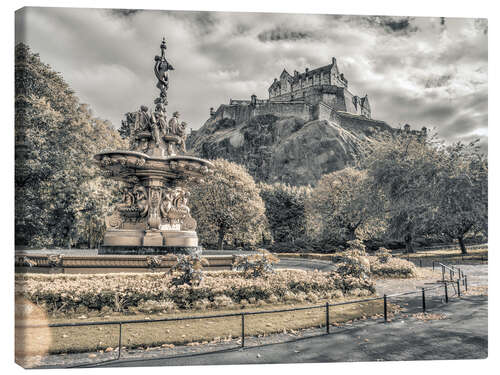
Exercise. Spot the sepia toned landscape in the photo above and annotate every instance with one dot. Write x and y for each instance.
(263, 207)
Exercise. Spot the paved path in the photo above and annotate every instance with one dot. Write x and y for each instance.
(476, 275)
(462, 335)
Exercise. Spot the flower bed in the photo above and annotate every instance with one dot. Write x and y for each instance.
(155, 292)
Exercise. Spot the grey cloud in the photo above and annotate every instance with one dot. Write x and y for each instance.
(281, 33)
(437, 81)
(124, 12)
(107, 59)
(401, 25)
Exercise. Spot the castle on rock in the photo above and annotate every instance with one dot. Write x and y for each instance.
(324, 85)
(315, 94)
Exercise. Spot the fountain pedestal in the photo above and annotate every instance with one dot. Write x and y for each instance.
(153, 217)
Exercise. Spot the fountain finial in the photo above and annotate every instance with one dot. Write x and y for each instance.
(161, 68)
(163, 47)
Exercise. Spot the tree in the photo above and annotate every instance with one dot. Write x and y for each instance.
(228, 207)
(343, 207)
(60, 196)
(461, 197)
(405, 168)
(285, 210)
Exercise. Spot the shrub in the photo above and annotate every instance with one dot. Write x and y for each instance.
(392, 267)
(256, 265)
(353, 261)
(223, 301)
(383, 255)
(187, 269)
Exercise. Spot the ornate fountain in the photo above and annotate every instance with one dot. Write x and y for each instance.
(154, 217)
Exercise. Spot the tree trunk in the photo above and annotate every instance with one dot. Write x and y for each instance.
(351, 233)
(220, 243)
(462, 245)
(408, 243)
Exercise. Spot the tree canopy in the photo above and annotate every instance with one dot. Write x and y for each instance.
(343, 207)
(461, 194)
(60, 196)
(285, 210)
(228, 207)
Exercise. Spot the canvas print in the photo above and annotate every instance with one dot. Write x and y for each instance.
(199, 188)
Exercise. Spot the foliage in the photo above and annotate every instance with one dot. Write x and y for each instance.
(228, 207)
(391, 267)
(383, 255)
(285, 210)
(124, 292)
(461, 194)
(60, 196)
(343, 207)
(405, 169)
(256, 265)
(187, 269)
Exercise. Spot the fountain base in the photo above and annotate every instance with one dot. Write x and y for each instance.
(140, 242)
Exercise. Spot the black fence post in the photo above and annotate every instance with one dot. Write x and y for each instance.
(458, 287)
(446, 292)
(465, 280)
(120, 342)
(242, 330)
(420, 261)
(327, 317)
(442, 272)
(423, 299)
(385, 307)
(432, 266)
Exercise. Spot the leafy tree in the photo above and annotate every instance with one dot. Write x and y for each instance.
(461, 195)
(60, 196)
(343, 207)
(228, 206)
(405, 168)
(285, 210)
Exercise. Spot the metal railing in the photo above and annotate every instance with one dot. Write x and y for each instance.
(327, 306)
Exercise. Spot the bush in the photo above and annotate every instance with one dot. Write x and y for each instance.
(187, 269)
(256, 265)
(392, 267)
(353, 262)
(383, 255)
(155, 292)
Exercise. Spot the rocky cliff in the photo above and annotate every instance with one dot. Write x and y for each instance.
(286, 149)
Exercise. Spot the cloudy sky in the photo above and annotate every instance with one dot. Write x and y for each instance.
(429, 72)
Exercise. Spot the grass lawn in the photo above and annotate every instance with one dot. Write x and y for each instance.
(447, 255)
(94, 338)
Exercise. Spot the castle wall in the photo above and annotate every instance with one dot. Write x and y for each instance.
(323, 112)
(357, 122)
(243, 112)
(297, 109)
